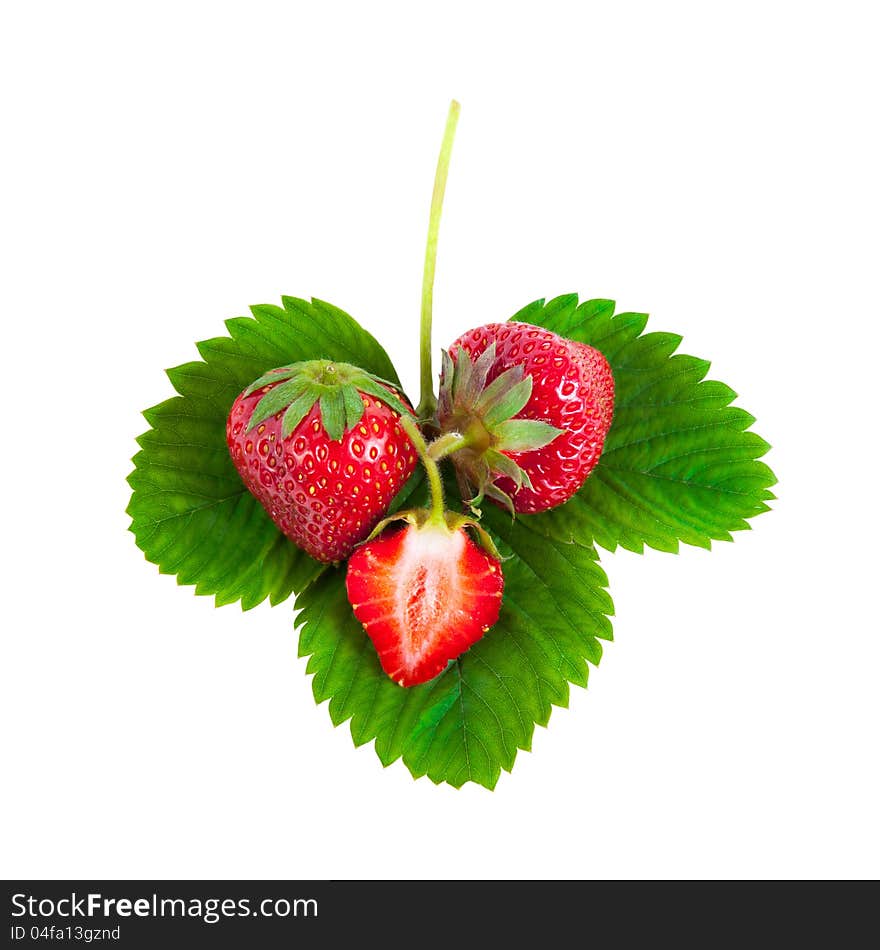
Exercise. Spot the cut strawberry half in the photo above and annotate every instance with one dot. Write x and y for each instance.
(425, 593)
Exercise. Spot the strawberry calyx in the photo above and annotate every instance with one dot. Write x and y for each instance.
(335, 386)
(478, 428)
(424, 519)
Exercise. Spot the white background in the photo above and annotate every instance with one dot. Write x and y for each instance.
(166, 165)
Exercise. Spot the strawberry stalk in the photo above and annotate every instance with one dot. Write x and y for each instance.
(447, 444)
(435, 517)
(435, 482)
(428, 401)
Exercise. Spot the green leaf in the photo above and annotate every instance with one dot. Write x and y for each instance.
(191, 513)
(679, 463)
(468, 723)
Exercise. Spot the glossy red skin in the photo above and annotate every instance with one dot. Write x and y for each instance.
(572, 389)
(416, 635)
(325, 496)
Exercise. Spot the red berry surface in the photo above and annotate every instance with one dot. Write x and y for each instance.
(325, 495)
(573, 389)
(424, 596)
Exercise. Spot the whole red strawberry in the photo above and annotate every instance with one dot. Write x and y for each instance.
(320, 445)
(533, 409)
(424, 593)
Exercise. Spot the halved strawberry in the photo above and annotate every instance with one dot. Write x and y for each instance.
(425, 593)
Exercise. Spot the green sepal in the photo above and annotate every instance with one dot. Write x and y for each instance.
(273, 376)
(510, 403)
(277, 399)
(482, 537)
(480, 373)
(504, 465)
(523, 435)
(374, 388)
(413, 516)
(298, 410)
(447, 371)
(333, 414)
(353, 405)
(460, 378)
(491, 490)
(496, 389)
(334, 386)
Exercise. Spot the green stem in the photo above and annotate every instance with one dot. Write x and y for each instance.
(435, 483)
(428, 401)
(447, 444)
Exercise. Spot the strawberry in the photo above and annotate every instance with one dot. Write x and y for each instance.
(525, 413)
(321, 447)
(424, 593)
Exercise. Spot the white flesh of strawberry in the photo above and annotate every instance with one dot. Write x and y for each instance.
(425, 581)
